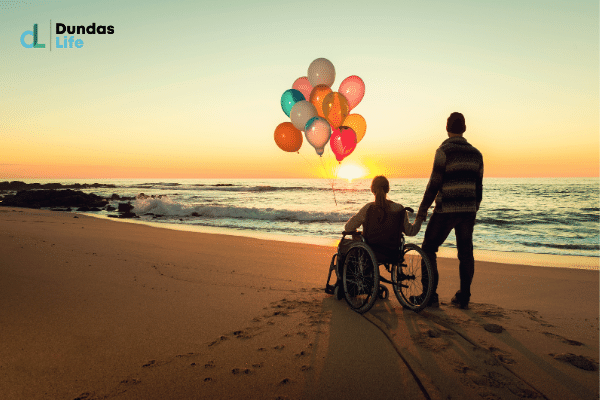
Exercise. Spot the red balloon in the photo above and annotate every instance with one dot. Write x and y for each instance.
(287, 137)
(343, 142)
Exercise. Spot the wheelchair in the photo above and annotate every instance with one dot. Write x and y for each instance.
(356, 265)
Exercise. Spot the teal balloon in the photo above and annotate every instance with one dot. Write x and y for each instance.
(289, 98)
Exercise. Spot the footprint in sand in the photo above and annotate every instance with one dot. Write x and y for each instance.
(563, 339)
(238, 371)
(491, 384)
(580, 362)
(502, 356)
(219, 340)
(184, 355)
(131, 381)
(494, 328)
(489, 311)
(244, 334)
(433, 339)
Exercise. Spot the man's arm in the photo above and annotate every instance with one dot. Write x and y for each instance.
(435, 183)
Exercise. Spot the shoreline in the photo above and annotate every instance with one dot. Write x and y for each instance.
(532, 259)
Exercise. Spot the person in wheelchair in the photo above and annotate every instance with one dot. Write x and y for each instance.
(384, 222)
(357, 260)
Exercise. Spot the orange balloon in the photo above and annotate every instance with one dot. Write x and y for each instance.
(335, 109)
(317, 96)
(287, 137)
(358, 124)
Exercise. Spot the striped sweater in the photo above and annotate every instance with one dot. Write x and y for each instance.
(456, 182)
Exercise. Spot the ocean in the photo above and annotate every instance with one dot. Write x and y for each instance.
(559, 216)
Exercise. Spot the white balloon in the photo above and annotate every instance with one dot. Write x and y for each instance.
(301, 112)
(321, 72)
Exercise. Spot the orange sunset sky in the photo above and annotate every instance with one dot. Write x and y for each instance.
(189, 90)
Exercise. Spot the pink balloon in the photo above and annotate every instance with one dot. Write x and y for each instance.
(353, 89)
(343, 142)
(303, 86)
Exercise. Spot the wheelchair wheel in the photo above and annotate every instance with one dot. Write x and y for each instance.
(410, 280)
(360, 278)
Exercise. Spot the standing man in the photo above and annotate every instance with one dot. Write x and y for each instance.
(456, 185)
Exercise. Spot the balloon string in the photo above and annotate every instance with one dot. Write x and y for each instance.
(331, 181)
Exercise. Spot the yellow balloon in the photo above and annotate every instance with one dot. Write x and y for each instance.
(358, 124)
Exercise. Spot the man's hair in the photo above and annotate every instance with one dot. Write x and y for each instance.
(456, 123)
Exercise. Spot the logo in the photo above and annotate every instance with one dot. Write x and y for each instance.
(67, 42)
(35, 44)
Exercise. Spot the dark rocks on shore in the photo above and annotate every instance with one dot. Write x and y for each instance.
(126, 211)
(15, 186)
(128, 215)
(53, 198)
(88, 209)
(125, 207)
(115, 197)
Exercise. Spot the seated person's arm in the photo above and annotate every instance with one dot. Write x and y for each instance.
(356, 221)
(412, 229)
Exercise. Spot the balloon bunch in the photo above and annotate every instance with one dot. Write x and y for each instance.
(322, 114)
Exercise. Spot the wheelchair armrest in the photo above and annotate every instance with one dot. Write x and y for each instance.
(353, 233)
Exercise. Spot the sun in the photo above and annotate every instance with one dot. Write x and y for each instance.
(351, 171)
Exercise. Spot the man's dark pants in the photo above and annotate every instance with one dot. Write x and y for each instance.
(438, 229)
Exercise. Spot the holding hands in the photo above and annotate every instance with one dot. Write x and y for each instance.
(422, 215)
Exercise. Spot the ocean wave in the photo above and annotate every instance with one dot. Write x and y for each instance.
(547, 219)
(167, 208)
(593, 247)
(594, 209)
(225, 187)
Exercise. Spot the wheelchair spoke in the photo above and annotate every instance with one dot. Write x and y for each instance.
(359, 279)
(410, 279)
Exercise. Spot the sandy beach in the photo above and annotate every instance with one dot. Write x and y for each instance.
(100, 309)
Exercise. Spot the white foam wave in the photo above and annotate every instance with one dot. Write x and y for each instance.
(166, 207)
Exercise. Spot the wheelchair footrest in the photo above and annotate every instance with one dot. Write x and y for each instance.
(329, 289)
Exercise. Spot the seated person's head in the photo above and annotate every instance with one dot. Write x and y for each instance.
(380, 187)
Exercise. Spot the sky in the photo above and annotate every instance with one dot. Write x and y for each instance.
(192, 89)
